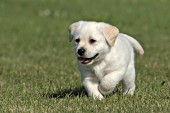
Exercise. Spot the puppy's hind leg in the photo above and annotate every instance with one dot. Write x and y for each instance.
(128, 82)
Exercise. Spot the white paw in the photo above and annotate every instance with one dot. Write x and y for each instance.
(105, 91)
(100, 97)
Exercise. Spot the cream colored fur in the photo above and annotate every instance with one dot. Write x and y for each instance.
(115, 60)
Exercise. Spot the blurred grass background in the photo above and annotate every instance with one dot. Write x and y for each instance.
(38, 71)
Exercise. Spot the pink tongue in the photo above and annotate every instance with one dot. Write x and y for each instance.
(86, 61)
(82, 60)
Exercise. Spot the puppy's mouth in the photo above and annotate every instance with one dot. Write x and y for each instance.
(86, 60)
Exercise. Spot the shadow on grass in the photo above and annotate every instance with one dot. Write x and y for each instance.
(78, 91)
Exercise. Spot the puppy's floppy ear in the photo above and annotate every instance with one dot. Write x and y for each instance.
(72, 29)
(110, 32)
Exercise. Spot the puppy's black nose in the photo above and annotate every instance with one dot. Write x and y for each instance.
(81, 51)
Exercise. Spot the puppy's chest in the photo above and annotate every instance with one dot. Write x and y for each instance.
(101, 70)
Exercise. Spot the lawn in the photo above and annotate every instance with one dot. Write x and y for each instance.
(38, 71)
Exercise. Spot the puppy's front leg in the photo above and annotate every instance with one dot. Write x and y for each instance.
(109, 82)
(91, 85)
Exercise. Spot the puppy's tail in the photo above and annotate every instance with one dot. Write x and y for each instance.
(135, 44)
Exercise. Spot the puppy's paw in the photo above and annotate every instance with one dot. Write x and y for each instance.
(105, 88)
(96, 96)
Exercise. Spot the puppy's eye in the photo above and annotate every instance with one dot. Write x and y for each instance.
(77, 40)
(92, 41)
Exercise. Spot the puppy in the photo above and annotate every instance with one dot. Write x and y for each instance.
(105, 57)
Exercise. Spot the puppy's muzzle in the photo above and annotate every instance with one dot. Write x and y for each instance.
(81, 51)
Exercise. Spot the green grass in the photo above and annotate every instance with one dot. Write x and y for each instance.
(38, 71)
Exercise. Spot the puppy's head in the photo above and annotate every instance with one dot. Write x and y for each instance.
(92, 40)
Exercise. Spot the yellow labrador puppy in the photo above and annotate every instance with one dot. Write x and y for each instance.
(105, 57)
